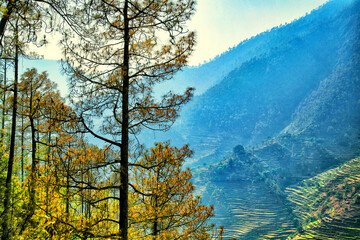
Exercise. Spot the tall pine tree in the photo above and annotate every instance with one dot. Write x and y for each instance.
(129, 47)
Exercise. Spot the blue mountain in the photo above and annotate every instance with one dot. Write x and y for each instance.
(276, 110)
(300, 78)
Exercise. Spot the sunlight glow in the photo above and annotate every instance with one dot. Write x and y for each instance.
(223, 24)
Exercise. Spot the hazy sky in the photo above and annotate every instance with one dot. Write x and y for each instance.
(221, 24)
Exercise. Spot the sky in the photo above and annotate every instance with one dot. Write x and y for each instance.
(222, 24)
(219, 25)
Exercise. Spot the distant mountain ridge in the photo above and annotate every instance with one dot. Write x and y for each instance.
(206, 75)
(266, 91)
(293, 112)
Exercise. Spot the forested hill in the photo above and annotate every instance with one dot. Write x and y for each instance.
(294, 78)
(206, 75)
(284, 116)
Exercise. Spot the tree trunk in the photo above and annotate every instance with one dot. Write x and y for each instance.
(34, 163)
(5, 223)
(156, 220)
(6, 17)
(124, 178)
(22, 146)
(67, 197)
(47, 166)
(155, 225)
(3, 103)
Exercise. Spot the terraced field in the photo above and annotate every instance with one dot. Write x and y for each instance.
(328, 205)
(255, 212)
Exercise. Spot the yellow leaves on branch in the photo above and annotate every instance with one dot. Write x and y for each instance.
(165, 195)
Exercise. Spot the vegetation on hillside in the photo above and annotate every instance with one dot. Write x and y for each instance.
(300, 78)
(327, 206)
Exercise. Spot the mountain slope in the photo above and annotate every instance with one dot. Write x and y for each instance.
(296, 109)
(327, 205)
(207, 75)
(279, 89)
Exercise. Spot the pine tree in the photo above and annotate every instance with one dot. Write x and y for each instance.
(22, 25)
(127, 48)
(166, 207)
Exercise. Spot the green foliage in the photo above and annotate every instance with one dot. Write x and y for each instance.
(327, 204)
